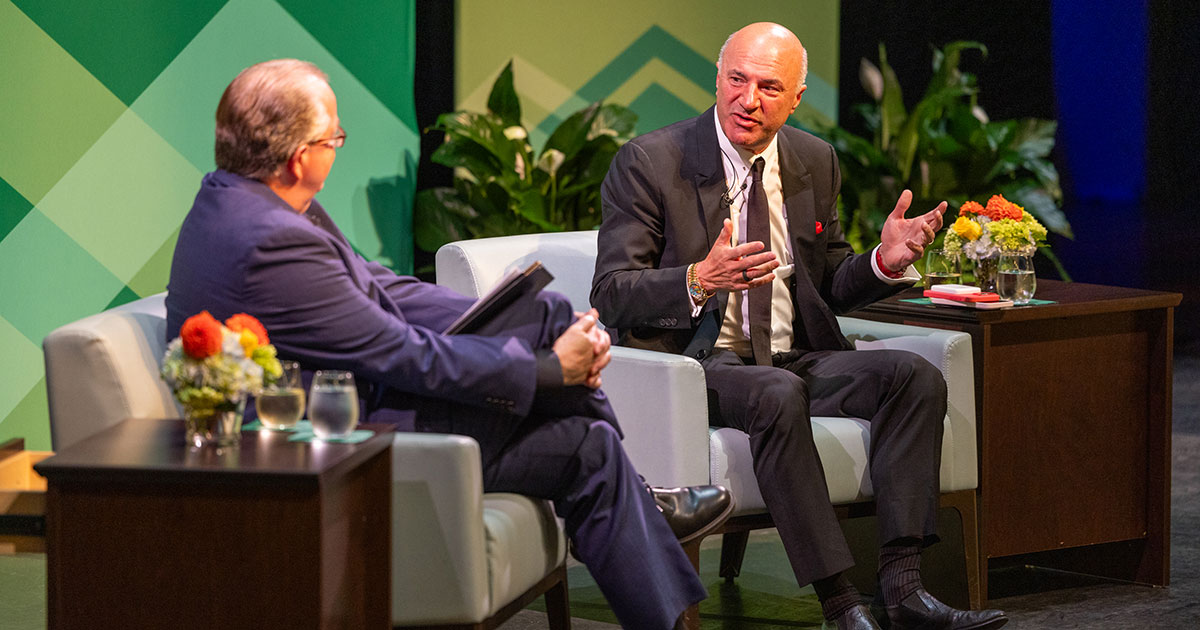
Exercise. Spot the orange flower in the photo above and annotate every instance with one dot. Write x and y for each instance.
(1000, 208)
(970, 207)
(201, 335)
(241, 321)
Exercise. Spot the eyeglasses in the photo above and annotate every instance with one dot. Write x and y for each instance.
(335, 142)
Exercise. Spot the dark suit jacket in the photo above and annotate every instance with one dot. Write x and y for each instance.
(242, 249)
(663, 209)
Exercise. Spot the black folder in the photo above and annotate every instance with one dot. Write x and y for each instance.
(517, 285)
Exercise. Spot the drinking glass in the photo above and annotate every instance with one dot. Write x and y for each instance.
(281, 404)
(333, 404)
(1015, 280)
(942, 267)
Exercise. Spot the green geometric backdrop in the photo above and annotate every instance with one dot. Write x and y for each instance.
(106, 117)
(658, 58)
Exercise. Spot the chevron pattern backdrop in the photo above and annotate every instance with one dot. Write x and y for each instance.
(658, 58)
(106, 124)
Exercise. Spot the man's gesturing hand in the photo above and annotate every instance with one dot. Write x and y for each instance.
(735, 268)
(903, 241)
(583, 350)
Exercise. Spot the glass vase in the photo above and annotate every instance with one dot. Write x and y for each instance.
(213, 428)
(986, 269)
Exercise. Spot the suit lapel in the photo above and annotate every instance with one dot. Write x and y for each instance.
(800, 206)
(702, 165)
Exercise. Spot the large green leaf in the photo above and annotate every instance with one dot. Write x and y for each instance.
(1034, 138)
(464, 153)
(503, 100)
(612, 120)
(945, 65)
(891, 107)
(572, 133)
(1028, 194)
(486, 130)
(440, 216)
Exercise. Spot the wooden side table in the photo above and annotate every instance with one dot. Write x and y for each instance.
(1073, 406)
(143, 532)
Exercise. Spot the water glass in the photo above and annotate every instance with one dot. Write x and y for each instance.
(333, 404)
(281, 404)
(1016, 280)
(942, 266)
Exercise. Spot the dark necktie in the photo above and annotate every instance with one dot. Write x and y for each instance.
(758, 228)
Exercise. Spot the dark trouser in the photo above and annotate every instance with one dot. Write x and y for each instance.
(569, 452)
(901, 394)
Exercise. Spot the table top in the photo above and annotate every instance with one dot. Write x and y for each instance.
(152, 449)
(1071, 299)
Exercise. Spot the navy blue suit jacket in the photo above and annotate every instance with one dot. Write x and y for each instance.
(242, 249)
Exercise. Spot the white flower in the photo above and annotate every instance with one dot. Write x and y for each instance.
(551, 160)
(515, 132)
(520, 166)
(871, 79)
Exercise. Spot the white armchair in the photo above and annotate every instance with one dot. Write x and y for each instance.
(661, 403)
(460, 557)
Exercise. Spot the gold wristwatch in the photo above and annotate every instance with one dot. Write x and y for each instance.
(699, 295)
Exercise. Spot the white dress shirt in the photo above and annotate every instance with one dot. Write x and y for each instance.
(735, 329)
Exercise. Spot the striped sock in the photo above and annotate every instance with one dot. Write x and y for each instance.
(899, 571)
(837, 595)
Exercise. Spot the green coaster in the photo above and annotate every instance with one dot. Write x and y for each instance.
(354, 437)
(925, 301)
(303, 425)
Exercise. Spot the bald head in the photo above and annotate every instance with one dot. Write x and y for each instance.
(760, 79)
(772, 35)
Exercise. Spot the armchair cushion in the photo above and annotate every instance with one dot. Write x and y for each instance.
(459, 555)
(103, 369)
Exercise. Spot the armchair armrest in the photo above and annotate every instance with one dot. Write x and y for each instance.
(662, 406)
(951, 353)
(438, 539)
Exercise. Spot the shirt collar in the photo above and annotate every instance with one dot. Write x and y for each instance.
(741, 157)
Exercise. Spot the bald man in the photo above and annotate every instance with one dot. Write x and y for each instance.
(721, 241)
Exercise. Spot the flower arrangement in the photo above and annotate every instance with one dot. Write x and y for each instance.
(212, 367)
(1001, 226)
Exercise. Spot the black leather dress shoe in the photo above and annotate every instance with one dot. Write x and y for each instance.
(857, 618)
(922, 611)
(694, 511)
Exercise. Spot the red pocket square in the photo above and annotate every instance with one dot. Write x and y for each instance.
(820, 228)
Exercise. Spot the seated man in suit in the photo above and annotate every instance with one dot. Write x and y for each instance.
(682, 267)
(256, 241)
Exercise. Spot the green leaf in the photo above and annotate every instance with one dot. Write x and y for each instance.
(612, 120)
(891, 108)
(531, 206)
(1047, 175)
(945, 65)
(1034, 138)
(1036, 200)
(468, 154)
(503, 101)
(486, 130)
(572, 133)
(440, 216)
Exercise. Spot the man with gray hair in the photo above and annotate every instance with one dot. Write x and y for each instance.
(526, 388)
(721, 241)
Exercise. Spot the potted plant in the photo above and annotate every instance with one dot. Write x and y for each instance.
(503, 186)
(945, 147)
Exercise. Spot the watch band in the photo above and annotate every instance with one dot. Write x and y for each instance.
(695, 289)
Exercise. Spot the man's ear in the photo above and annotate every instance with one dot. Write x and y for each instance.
(799, 93)
(294, 167)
